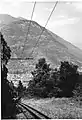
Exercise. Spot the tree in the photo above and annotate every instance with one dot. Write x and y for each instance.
(20, 88)
(68, 78)
(43, 83)
(7, 105)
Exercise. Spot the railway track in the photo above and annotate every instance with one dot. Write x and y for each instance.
(31, 113)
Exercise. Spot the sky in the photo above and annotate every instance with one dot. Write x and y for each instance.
(66, 20)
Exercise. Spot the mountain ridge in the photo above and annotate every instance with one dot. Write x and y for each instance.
(50, 46)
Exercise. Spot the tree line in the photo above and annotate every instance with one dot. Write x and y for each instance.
(49, 82)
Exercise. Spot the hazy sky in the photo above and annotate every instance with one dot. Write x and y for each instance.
(66, 20)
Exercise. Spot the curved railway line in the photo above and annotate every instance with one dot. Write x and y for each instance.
(31, 113)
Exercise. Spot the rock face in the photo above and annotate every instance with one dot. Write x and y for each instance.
(50, 46)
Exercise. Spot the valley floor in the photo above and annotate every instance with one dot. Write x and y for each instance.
(63, 108)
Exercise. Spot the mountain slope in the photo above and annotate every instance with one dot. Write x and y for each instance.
(72, 49)
(50, 46)
(5, 19)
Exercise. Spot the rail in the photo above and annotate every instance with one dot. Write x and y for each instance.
(35, 114)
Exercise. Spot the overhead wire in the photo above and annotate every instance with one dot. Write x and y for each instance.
(29, 26)
(44, 28)
(26, 35)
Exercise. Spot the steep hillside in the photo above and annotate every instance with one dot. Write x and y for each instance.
(50, 45)
(5, 19)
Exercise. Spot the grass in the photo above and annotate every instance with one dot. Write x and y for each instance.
(57, 108)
